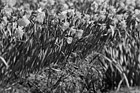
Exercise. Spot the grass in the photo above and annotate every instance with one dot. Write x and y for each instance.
(67, 46)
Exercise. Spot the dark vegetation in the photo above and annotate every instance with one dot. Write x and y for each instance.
(69, 46)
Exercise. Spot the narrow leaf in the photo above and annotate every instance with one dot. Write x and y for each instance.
(3, 60)
(112, 30)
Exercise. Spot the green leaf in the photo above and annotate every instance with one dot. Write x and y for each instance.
(139, 58)
(5, 63)
(112, 30)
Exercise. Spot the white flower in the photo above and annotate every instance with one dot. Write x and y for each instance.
(23, 21)
(69, 40)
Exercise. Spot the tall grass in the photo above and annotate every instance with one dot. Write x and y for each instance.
(92, 43)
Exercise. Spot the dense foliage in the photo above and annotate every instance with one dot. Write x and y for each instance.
(69, 46)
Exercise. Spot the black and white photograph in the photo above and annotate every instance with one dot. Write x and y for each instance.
(69, 46)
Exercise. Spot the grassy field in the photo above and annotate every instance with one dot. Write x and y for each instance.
(69, 46)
